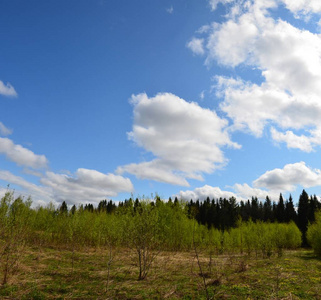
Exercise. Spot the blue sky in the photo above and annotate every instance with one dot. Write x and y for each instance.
(104, 99)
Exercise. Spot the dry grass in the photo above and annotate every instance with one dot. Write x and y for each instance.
(46, 273)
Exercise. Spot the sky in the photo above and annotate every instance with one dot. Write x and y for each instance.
(108, 99)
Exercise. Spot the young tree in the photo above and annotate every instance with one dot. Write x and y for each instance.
(142, 234)
(15, 218)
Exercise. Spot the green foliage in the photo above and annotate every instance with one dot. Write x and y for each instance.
(314, 234)
(15, 219)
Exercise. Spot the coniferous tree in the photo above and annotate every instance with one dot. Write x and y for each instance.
(63, 208)
(73, 209)
(254, 209)
(280, 210)
(267, 210)
(290, 213)
(313, 208)
(303, 215)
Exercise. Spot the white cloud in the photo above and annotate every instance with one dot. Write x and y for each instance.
(85, 186)
(21, 155)
(244, 192)
(7, 90)
(241, 192)
(214, 3)
(271, 184)
(292, 140)
(231, 43)
(170, 10)
(153, 170)
(202, 95)
(4, 130)
(196, 45)
(287, 96)
(28, 188)
(185, 139)
(204, 29)
(303, 7)
(203, 192)
(289, 177)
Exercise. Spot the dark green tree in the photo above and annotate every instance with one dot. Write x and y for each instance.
(267, 210)
(290, 213)
(63, 208)
(280, 210)
(303, 215)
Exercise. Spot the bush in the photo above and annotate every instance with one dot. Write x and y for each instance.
(314, 234)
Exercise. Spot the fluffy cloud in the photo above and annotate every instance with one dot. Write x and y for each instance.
(271, 184)
(289, 177)
(214, 3)
(292, 140)
(287, 96)
(185, 139)
(303, 6)
(203, 192)
(241, 192)
(85, 186)
(7, 90)
(38, 193)
(4, 130)
(21, 155)
(170, 10)
(196, 45)
(244, 192)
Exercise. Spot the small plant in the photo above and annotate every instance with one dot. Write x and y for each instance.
(14, 227)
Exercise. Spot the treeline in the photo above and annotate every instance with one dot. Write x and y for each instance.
(224, 213)
(143, 227)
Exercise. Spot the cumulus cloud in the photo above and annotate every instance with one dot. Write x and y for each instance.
(196, 45)
(271, 184)
(203, 192)
(85, 186)
(7, 90)
(38, 193)
(154, 170)
(245, 191)
(289, 177)
(214, 3)
(287, 95)
(303, 7)
(22, 156)
(185, 139)
(4, 130)
(292, 140)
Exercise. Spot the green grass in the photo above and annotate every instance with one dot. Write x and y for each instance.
(46, 273)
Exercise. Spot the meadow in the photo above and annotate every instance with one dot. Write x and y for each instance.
(150, 250)
(47, 273)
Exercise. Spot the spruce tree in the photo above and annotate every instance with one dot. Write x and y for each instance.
(290, 213)
(280, 210)
(303, 214)
(267, 210)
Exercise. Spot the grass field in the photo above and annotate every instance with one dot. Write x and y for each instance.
(48, 273)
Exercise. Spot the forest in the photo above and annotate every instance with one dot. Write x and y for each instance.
(145, 231)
